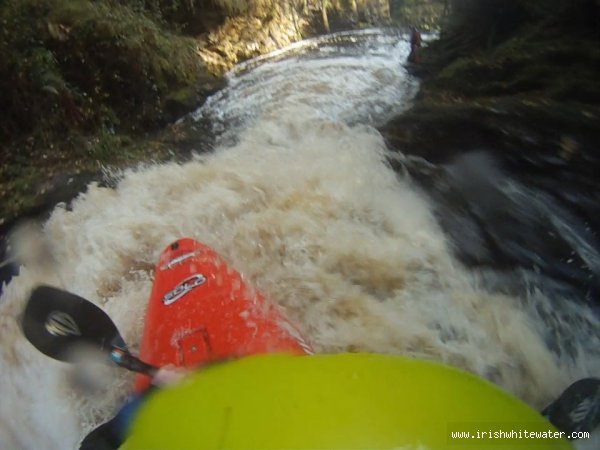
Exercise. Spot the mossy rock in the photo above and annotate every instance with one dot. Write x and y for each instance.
(180, 102)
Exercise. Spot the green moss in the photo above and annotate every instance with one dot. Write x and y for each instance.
(533, 62)
(84, 64)
(426, 15)
(34, 166)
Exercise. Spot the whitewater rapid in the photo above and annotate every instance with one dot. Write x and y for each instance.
(300, 198)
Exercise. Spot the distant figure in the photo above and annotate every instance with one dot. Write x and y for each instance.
(415, 47)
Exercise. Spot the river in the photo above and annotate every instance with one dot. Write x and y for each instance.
(299, 194)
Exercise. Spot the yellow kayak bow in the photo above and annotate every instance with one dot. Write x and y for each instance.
(343, 401)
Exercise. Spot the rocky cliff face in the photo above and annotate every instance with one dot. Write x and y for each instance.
(251, 32)
(243, 37)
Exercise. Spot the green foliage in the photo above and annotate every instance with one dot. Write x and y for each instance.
(184, 15)
(488, 22)
(246, 6)
(423, 14)
(83, 64)
(531, 63)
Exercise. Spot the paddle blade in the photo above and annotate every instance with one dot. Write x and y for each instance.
(56, 321)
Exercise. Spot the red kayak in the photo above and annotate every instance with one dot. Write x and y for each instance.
(202, 311)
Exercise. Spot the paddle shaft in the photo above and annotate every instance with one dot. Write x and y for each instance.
(123, 358)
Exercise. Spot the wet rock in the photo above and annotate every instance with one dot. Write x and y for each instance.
(187, 99)
(244, 37)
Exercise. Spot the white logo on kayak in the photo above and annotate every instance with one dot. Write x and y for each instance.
(183, 288)
(61, 324)
(179, 260)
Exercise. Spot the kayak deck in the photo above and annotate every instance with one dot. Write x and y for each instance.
(202, 311)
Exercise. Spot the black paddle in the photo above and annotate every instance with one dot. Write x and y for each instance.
(57, 322)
